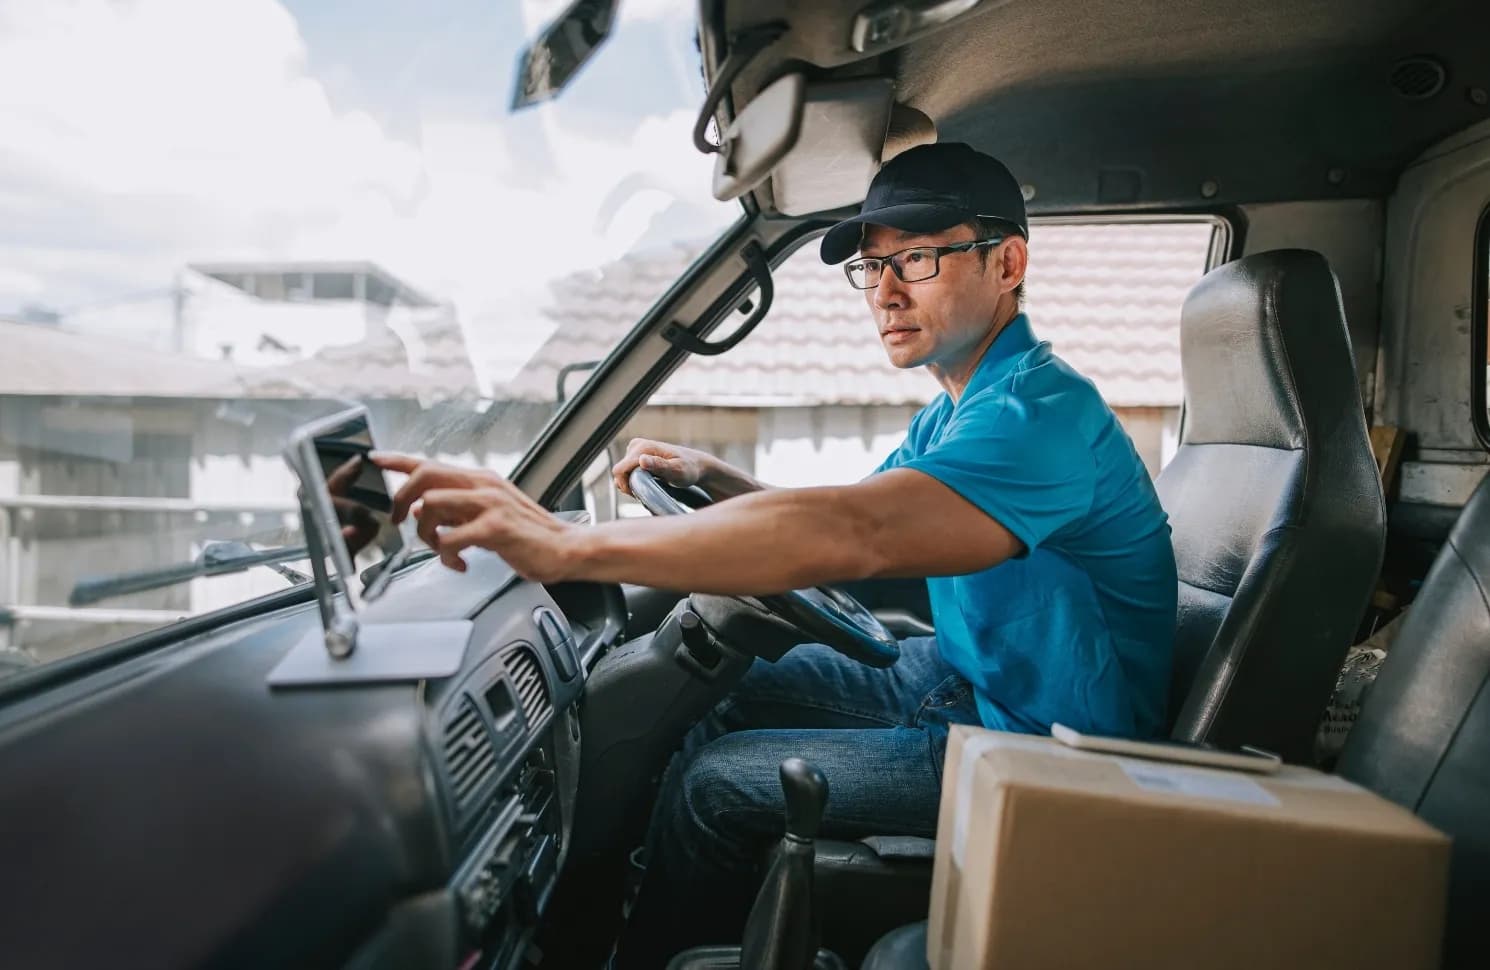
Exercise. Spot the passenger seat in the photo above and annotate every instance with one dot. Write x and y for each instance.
(1423, 735)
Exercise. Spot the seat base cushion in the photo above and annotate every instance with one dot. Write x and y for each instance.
(902, 949)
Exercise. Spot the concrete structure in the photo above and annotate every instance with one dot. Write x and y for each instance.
(115, 457)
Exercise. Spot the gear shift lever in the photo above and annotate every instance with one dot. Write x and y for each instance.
(782, 932)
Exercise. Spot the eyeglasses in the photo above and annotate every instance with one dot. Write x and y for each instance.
(912, 265)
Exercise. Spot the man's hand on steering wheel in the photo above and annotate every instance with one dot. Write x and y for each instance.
(673, 464)
(683, 468)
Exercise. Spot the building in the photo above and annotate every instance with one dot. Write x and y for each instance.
(115, 456)
(809, 398)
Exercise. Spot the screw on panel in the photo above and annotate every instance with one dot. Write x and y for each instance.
(1336, 176)
(1027, 190)
(1478, 96)
(1209, 188)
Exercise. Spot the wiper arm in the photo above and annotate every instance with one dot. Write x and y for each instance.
(216, 559)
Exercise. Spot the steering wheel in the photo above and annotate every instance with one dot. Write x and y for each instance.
(823, 614)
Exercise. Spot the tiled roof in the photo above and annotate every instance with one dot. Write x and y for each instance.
(379, 367)
(43, 360)
(1107, 297)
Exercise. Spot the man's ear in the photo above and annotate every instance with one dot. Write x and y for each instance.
(1014, 259)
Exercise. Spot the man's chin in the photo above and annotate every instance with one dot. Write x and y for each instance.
(903, 358)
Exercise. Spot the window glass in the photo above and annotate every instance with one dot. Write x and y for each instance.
(810, 398)
(224, 219)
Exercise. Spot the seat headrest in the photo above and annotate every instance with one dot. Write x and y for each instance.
(1265, 352)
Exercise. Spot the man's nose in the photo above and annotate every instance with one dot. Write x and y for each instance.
(889, 293)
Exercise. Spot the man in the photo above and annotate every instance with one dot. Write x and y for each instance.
(1052, 578)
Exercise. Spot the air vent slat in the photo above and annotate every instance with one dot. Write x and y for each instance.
(469, 756)
(527, 680)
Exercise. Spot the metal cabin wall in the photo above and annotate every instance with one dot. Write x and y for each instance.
(1429, 273)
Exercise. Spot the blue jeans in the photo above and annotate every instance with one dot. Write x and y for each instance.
(879, 737)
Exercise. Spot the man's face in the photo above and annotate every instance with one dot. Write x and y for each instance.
(940, 320)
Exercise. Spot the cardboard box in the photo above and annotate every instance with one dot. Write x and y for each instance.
(1052, 857)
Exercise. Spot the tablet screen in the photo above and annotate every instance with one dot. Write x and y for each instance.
(359, 493)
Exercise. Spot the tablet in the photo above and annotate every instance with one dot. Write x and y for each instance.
(1244, 758)
(350, 498)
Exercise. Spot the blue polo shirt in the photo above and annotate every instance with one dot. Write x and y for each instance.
(1080, 629)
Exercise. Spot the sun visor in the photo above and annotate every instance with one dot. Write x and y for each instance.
(761, 135)
(843, 134)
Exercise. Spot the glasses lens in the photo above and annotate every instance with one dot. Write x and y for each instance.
(863, 273)
(916, 264)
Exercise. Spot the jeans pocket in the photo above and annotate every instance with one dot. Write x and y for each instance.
(949, 693)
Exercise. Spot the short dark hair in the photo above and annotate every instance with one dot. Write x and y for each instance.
(997, 227)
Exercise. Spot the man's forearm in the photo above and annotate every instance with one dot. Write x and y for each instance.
(759, 543)
(723, 480)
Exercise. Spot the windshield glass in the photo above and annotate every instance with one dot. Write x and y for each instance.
(218, 221)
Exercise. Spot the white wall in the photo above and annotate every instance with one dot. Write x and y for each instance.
(837, 445)
(826, 446)
(218, 316)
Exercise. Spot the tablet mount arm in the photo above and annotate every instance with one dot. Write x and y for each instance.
(338, 619)
(355, 645)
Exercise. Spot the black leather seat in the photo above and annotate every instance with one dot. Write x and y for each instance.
(1422, 738)
(1275, 502)
(1279, 527)
(1423, 735)
(901, 949)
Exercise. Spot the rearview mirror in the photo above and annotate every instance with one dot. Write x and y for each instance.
(759, 137)
(552, 61)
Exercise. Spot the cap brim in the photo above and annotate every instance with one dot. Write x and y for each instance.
(842, 241)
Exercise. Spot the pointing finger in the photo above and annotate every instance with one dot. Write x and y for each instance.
(394, 461)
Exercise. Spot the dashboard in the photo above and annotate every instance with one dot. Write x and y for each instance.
(169, 808)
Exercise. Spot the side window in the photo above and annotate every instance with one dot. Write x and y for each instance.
(810, 398)
(1108, 298)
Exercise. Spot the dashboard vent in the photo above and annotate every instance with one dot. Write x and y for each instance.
(468, 753)
(527, 680)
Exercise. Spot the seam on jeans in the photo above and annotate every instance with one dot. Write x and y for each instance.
(820, 706)
(936, 763)
(723, 814)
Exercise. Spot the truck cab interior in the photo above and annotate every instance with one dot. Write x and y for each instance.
(168, 806)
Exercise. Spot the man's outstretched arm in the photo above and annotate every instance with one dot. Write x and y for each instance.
(898, 523)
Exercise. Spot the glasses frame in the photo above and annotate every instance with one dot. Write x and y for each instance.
(937, 252)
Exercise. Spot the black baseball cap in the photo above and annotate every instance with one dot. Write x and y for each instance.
(930, 188)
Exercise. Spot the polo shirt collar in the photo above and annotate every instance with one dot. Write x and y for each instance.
(1001, 357)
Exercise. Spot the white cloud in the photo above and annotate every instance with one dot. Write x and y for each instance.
(142, 135)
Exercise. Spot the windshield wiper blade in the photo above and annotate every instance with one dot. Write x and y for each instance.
(216, 559)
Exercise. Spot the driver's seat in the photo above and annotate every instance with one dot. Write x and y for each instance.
(1279, 528)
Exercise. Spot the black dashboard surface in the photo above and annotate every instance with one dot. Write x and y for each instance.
(172, 810)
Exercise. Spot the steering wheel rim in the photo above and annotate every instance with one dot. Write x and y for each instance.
(825, 614)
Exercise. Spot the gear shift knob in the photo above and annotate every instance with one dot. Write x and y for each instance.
(782, 931)
(806, 792)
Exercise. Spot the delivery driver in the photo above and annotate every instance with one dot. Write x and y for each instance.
(1052, 578)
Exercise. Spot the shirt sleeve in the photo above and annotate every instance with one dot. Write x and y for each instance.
(1029, 471)
(913, 443)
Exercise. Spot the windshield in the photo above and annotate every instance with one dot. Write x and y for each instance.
(219, 221)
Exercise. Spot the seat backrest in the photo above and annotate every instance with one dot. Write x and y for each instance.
(1275, 503)
(1423, 735)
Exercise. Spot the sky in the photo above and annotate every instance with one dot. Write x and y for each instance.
(142, 135)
